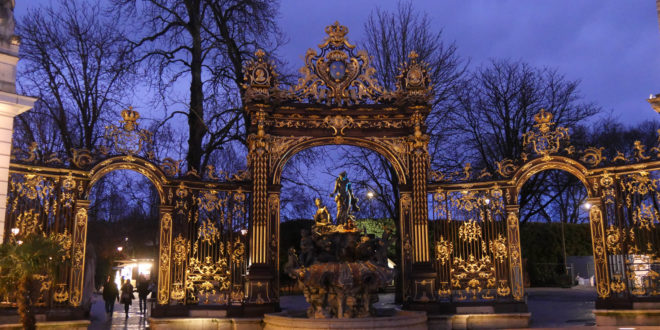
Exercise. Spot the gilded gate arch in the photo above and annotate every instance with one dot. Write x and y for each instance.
(554, 162)
(337, 101)
(622, 217)
(397, 159)
(203, 217)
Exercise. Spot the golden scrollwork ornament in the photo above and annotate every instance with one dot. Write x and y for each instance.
(543, 140)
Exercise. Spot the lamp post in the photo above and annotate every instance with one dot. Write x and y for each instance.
(654, 100)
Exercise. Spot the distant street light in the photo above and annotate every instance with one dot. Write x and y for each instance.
(370, 194)
(120, 248)
(19, 242)
(15, 231)
(487, 201)
(586, 205)
(244, 231)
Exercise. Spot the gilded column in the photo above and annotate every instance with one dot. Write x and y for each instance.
(258, 159)
(79, 242)
(598, 244)
(274, 246)
(515, 258)
(164, 258)
(405, 210)
(260, 284)
(418, 174)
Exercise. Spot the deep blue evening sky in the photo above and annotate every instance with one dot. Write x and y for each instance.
(612, 46)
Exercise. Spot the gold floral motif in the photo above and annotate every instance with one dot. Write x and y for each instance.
(645, 216)
(208, 232)
(503, 289)
(443, 250)
(593, 156)
(177, 292)
(238, 251)
(469, 231)
(28, 222)
(61, 293)
(617, 285)
(65, 242)
(498, 247)
(614, 240)
(474, 275)
(181, 247)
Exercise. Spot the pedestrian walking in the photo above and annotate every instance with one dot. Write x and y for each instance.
(143, 292)
(127, 295)
(110, 294)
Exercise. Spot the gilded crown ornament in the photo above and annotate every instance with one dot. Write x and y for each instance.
(543, 140)
(130, 118)
(336, 36)
(127, 138)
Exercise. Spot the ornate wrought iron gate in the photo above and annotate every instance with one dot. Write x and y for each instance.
(219, 233)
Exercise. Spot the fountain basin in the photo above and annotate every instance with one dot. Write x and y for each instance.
(408, 320)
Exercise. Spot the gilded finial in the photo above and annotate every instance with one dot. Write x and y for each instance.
(336, 36)
(543, 120)
(413, 55)
(259, 53)
(130, 118)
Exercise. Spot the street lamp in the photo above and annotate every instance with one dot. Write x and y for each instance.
(586, 205)
(19, 242)
(15, 231)
(370, 194)
(655, 102)
(244, 231)
(120, 248)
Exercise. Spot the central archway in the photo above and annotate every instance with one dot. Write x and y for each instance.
(395, 154)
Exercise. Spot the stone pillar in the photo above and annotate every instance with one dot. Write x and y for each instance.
(262, 271)
(11, 104)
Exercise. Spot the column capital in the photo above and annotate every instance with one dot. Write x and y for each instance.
(12, 105)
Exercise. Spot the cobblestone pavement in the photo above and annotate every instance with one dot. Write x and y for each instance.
(100, 320)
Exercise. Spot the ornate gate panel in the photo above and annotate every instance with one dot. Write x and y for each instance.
(623, 215)
(203, 218)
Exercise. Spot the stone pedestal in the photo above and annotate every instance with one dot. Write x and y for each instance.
(627, 317)
(408, 320)
(479, 321)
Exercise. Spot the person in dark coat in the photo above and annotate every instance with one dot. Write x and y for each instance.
(110, 294)
(127, 295)
(143, 292)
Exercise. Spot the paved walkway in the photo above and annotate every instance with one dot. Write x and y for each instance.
(100, 321)
(558, 307)
(551, 308)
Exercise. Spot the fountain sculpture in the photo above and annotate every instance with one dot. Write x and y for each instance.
(340, 268)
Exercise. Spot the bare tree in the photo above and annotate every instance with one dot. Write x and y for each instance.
(497, 104)
(390, 37)
(78, 63)
(204, 43)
